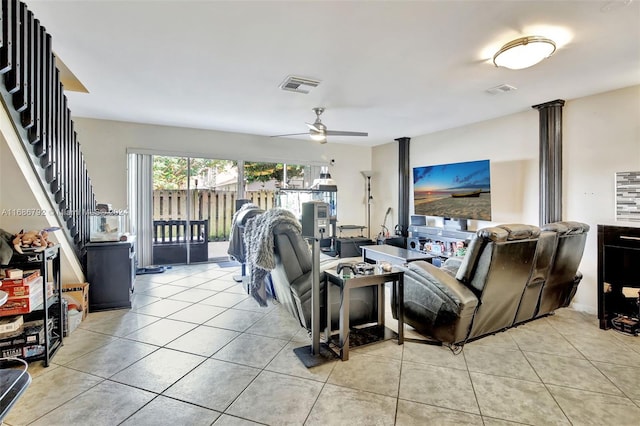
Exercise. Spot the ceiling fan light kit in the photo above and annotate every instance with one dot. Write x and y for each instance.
(524, 52)
(318, 137)
(318, 131)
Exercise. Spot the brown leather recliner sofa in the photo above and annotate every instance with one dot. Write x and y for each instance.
(510, 274)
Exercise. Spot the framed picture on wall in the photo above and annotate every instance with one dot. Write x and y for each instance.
(628, 196)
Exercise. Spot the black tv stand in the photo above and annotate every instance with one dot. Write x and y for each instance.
(439, 242)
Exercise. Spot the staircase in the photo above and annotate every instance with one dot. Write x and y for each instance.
(34, 99)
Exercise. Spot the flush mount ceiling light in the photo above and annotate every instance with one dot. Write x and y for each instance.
(524, 52)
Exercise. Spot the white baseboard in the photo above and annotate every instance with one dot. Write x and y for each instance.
(584, 308)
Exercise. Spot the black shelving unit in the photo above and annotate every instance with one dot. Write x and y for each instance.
(51, 309)
(618, 275)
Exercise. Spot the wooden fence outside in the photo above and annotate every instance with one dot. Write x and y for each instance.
(215, 206)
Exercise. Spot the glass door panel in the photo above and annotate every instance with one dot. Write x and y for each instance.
(193, 201)
(213, 192)
(170, 224)
(263, 180)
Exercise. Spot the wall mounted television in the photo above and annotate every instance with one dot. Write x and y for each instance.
(456, 190)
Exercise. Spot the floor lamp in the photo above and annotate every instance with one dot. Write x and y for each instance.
(369, 199)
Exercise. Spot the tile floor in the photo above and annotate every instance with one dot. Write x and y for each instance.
(195, 350)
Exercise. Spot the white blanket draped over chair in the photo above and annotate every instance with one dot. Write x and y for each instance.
(258, 243)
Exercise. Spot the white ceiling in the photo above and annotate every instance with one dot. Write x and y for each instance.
(391, 68)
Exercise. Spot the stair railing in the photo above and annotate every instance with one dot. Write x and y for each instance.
(34, 98)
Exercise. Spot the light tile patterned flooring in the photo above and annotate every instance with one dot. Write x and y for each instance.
(195, 350)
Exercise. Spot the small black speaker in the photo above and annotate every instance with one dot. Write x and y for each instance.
(396, 241)
(413, 244)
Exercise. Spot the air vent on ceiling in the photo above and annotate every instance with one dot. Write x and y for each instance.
(299, 84)
(503, 88)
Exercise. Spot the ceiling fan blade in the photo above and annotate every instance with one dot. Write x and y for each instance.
(318, 130)
(289, 134)
(345, 133)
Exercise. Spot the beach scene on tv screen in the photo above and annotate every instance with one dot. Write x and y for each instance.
(457, 190)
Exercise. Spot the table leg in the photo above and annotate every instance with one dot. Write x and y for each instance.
(327, 304)
(400, 296)
(381, 307)
(344, 323)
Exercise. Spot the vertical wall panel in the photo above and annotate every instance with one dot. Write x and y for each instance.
(550, 161)
(404, 181)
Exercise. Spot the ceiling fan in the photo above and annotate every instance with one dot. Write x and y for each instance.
(319, 132)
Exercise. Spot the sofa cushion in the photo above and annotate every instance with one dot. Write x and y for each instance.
(493, 234)
(518, 231)
(566, 228)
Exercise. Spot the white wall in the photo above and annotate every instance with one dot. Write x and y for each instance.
(601, 135)
(105, 143)
(384, 187)
(513, 153)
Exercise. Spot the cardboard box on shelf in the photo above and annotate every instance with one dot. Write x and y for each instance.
(10, 325)
(18, 285)
(21, 290)
(33, 331)
(13, 352)
(78, 295)
(17, 339)
(32, 350)
(13, 273)
(24, 305)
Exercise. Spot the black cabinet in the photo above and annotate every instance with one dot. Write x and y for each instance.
(50, 313)
(111, 274)
(618, 273)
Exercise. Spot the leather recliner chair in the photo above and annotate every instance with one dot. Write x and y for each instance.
(564, 276)
(292, 278)
(541, 266)
(510, 274)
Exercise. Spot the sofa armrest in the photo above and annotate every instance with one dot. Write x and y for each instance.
(458, 293)
(436, 303)
(572, 290)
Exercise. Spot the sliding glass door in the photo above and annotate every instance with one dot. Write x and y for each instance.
(193, 204)
(182, 207)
